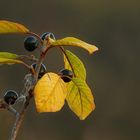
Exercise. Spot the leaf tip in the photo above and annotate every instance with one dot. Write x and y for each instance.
(12, 27)
(93, 49)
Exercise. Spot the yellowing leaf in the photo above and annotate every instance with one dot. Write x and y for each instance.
(50, 93)
(11, 27)
(77, 66)
(80, 98)
(71, 41)
(9, 61)
(9, 58)
(8, 55)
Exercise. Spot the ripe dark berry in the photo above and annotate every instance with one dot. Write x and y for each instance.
(30, 43)
(66, 75)
(42, 69)
(51, 35)
(10, 97)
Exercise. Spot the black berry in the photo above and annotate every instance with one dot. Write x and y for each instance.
(10, 97)
(42, 69)
(51, 35)
(66, 75)
(30, 43)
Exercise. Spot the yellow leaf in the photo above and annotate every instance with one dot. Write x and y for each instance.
(9, 58)
(76, 64)
(9, 61)
(8, 55)
(11, 27)
(80, 98)
(71, 41)
(50, 93)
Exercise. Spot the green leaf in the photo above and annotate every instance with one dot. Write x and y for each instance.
(71, 41)
(9, 61)
(8, 55)
(9, 58)
(12, 27)
(80, 98)
(77, 66)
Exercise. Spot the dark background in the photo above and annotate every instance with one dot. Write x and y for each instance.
(112, 72)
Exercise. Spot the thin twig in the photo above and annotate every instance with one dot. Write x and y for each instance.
(20, 117)
(26, 65)
(12, 110)
(4, 105)
(31, 57)
(29, 90)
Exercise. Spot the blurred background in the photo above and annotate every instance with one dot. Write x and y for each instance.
(112, 72)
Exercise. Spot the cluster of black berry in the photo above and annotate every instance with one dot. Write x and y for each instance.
(30, 44)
